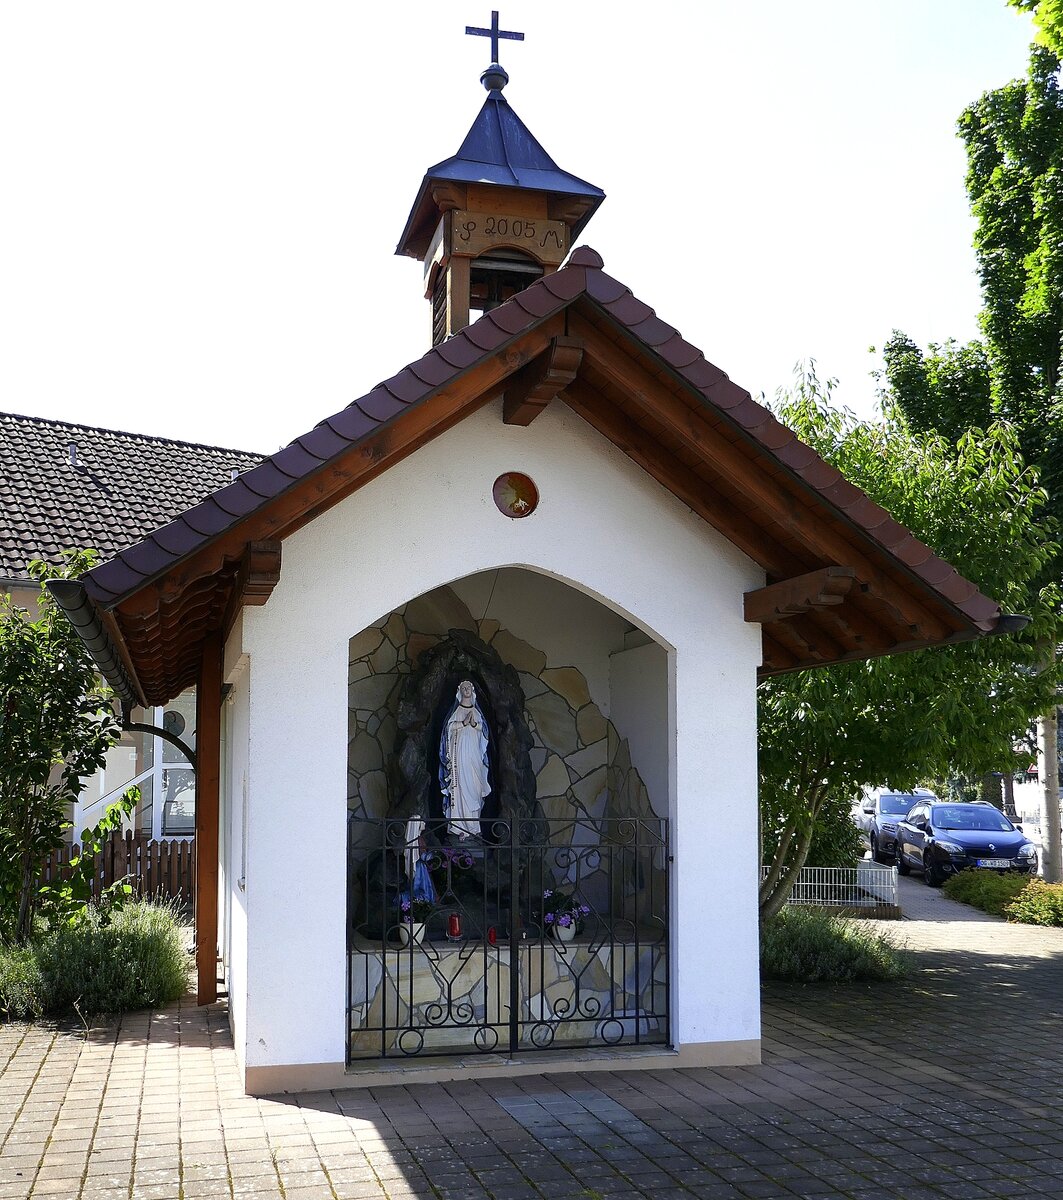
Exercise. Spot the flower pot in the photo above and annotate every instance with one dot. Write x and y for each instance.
(411, 932)
(565, 933)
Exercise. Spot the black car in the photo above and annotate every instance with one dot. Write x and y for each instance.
(940, 839)
(879, 817)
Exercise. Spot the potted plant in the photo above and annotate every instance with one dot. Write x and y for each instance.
(562, 913)
(413, 918)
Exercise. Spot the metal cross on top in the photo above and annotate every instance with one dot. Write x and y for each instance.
(494, 33)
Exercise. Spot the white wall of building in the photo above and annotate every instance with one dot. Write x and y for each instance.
(609, 529)
(235, 795)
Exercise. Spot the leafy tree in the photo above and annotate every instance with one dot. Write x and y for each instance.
(56, 723)
(942, 390)
(1014, 141)
(1048, 15)
(825, 733)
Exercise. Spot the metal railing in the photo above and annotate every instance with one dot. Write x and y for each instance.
(542, 933)
(866, 886)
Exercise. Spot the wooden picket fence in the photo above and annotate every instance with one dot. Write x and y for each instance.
(164, 870)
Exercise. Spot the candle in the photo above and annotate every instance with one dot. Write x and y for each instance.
(492, 937)
(454, 926)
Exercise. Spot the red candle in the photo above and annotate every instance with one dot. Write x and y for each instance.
(454, 926)
(492, 937)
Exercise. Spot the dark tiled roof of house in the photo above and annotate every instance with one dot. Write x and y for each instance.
(121, 487)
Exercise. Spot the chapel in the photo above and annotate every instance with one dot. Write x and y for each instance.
(476, 662)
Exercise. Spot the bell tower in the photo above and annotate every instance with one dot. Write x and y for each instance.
(497, 215)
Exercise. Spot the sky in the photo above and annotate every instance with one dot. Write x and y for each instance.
(201, 200)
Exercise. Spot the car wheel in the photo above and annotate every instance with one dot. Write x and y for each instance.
(875, 855)
(932, 877)
(902, 866)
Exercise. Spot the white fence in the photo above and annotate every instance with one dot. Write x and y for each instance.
(867, 886)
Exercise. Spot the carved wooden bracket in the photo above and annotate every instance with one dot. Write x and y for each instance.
(791, 597)
(534, 386)
(260, 570)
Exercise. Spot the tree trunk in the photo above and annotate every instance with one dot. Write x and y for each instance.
(990, 789)
(1048, 765)
(1009, 795)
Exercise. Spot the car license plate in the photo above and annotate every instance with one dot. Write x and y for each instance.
(993, 862)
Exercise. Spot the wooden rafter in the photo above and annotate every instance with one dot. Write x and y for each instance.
(789, 512)
(687, 486)
(790, 597)
(336, 479)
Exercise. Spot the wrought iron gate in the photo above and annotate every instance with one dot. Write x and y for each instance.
(542, 934)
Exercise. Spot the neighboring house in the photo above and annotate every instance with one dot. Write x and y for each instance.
(565, 504)
(65, 486)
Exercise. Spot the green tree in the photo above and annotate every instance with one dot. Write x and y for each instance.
(1048, 16)
(944, 389)
(905, 719)
(1014, 141)
(56, 723)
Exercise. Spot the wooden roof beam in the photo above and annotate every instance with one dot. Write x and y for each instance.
(780, 505)
(790, 597)
(338, 477)
(534, 386)
(686, 485)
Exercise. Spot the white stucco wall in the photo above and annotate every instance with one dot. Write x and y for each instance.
(236, 786)
(638, 680)
(606, 527)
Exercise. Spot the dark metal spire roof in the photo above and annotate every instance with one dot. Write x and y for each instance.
(499, 149)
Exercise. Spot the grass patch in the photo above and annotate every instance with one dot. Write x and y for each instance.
(990, 891)
(136, 960)
(806, 945)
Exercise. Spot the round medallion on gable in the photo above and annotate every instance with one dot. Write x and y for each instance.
(515, 495)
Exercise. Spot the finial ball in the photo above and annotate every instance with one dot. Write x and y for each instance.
(494, 78)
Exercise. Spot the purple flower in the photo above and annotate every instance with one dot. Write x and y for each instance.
(548, 892)
(564, 921)
(584, 910)
(549, 918)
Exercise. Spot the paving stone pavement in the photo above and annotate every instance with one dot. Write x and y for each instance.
(948, 1085)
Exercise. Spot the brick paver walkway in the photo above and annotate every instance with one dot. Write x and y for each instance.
(946, 1086)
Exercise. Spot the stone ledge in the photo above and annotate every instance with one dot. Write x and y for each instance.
(373, 1073)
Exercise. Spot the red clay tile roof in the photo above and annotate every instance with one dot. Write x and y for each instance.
(800, 488)
(123, 486)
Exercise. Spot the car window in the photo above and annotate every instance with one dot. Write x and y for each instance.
(919, 810)
(894, 805)
(974, 816)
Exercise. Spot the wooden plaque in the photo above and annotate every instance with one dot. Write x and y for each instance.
(471, 233)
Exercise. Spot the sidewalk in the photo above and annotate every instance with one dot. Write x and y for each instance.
(946, 1086)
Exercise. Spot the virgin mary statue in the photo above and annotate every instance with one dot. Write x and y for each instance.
(463, 763)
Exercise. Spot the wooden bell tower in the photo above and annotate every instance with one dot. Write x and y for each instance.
(497, 215)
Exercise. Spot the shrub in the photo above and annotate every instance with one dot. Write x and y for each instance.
(135, 960)
(990, 891)
(807, 945)
(1038, 903)
(21, 985)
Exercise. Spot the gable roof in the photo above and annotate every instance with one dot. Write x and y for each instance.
(642, 386)
(120, 488)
